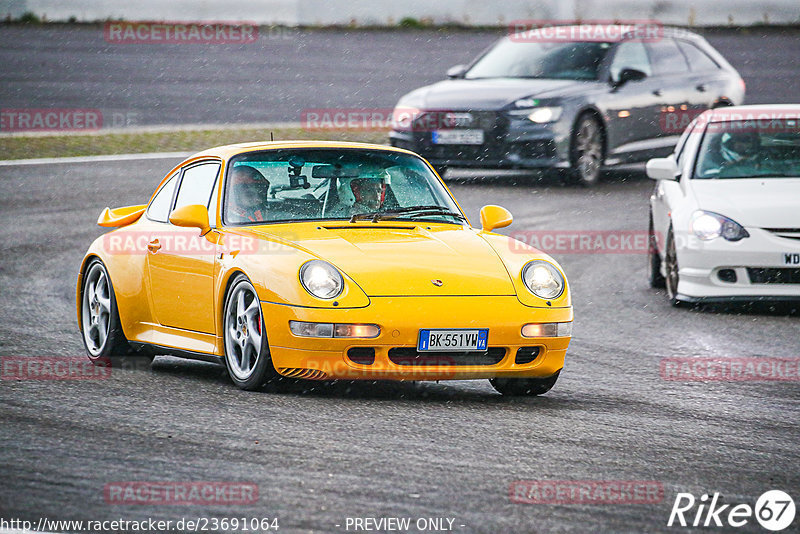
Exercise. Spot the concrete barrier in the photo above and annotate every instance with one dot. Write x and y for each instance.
(390, 12)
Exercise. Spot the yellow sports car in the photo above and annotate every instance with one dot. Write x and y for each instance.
(322, 260)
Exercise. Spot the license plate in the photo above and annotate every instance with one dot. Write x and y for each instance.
(457, 137)
(458, 339)
(791, 258)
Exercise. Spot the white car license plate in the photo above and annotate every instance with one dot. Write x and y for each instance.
(457, 339)
(457, 137)
(791, 258)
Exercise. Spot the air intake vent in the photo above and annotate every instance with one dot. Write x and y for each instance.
(362, 355)
(526, 355)
(306, 374)
(788, 233)
(410, 356)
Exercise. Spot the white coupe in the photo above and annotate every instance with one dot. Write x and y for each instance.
(725, 213)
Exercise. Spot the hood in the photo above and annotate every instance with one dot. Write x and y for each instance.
(396, 259)
(752, 202)
(490, 93)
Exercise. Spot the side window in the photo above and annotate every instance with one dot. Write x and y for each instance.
(197, 184)
(667, 57)
(159, 207)
(698, 60)
(630, 55)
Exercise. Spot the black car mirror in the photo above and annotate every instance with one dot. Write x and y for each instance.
(457, 72)
(628, 75)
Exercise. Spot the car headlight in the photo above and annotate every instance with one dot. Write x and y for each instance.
(321, 279)
(707, 225)
(541, 115)
(543, 279)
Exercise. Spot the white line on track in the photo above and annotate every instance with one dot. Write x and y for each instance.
(91, 159)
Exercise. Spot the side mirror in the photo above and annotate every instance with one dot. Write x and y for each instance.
(629, 75)
(457, 72)
(495, 217)
(662, 168)
(191, 216)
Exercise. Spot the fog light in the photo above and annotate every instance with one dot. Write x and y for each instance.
(547, 330)
(304, 329)
(356, 330)
(727, 275)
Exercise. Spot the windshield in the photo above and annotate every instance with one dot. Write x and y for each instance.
(558, 60)
(321, 184)
(738, 149)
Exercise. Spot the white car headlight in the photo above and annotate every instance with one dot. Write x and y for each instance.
(321, 279)
(543, 279)
(707, 225)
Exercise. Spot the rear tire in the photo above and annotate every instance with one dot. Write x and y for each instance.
(654, 275)
(586, 151)
(520, 387)
(101, 329)
(247, 355)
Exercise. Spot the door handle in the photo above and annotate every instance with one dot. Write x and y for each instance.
(657, 92)
(154, 246)
(701, 88)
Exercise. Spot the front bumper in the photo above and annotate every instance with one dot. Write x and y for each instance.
(400, 319)
(754, 260)
(507, 144)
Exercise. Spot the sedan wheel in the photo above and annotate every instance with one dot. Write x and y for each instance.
(587, 151)
(671, 266)
(246, 348)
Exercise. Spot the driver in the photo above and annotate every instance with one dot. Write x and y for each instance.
(249, 190)
(740, 147)
(370, 194)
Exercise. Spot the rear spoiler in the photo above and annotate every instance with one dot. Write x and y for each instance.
(123, 216)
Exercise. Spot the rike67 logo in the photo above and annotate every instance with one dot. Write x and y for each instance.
(774, 511)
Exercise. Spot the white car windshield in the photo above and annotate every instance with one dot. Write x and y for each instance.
(745, 149)
(320, 184)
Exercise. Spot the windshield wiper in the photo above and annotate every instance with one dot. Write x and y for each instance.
(413, 211)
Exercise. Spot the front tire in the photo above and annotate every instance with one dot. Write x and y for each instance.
(586, 151)
(654, 275)
(247, 355)
(101, 329)
(519, 387)
(671, 267)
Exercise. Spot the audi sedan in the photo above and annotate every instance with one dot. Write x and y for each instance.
(572, 104)
(725, 212)
(318, 261)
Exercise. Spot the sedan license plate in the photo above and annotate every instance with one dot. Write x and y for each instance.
(456, 340)
(457, 137)
(791, 258)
